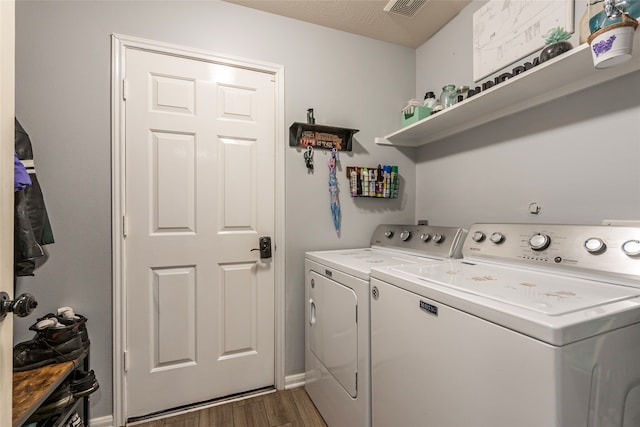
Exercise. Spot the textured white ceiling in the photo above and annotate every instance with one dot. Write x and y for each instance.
(366, 17)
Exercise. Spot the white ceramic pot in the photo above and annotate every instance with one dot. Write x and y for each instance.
(612, 45)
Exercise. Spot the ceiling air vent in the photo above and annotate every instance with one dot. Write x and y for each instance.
(404, 7)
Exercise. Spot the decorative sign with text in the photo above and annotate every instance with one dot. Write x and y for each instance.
(505, 31)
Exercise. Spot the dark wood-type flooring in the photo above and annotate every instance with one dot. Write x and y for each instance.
(283, 408)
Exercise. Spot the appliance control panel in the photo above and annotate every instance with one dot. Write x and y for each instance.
(589, 248)
(443, 242)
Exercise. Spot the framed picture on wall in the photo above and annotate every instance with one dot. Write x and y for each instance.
(505, 31)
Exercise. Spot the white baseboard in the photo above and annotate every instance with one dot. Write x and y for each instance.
(293, 381)
(102, 421)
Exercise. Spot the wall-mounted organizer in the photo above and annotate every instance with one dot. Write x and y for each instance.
(380, 182)
(320, 136)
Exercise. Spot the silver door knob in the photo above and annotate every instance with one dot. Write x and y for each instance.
(21, 306)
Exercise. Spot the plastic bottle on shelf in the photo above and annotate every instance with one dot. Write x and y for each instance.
(354, 182)
(365, 182)
(372, 182)
(430, 100)
(387, 181)
(394, 182)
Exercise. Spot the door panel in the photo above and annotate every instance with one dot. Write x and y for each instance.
(334, 329)
(174, 336)
(238, 184)
(238, 294)
(199, 162)
(173, 167)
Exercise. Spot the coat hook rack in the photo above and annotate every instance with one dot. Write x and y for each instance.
(320, 136)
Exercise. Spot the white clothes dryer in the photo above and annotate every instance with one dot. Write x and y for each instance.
(337, 333)
(537, 326)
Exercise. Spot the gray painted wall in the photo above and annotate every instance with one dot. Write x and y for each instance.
(578, 157)
(63, 101)
(568, 155)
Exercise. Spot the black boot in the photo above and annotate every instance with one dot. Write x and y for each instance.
(67, 316)
(83, 383)
(56, 340)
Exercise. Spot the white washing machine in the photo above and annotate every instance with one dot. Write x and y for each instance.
(538, 325)
(337, 358)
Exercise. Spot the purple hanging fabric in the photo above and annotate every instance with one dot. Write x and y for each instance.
(21, 178)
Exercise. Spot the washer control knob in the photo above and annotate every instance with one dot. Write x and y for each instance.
(631, 247)
(438, 238)
(405, 235)
(497, 238)
(388, 234)
(539, 241)
(595, 245)
(425, 237)
(478, 236)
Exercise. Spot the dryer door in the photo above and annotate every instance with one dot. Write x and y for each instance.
(333, 329)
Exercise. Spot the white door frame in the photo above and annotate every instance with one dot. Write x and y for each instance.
(7, 147)
(119, 44)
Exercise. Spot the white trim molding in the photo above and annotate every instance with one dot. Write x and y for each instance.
(294, 381)
(7, 147)
(119, 45)
(101, 422)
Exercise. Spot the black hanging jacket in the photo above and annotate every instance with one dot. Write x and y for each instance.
(31, 224)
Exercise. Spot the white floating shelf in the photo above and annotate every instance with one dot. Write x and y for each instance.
(570, 72)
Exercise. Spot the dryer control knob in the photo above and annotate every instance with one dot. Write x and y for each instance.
(405, 235)
(388, 234)
(478, 236)
(595, 245)
(539, 241)
(631, 247)
(438, 238)
(425, 237)
(497, 238)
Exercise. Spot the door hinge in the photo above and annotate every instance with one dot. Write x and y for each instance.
(125, 89)
(125, 226)
(125, 361)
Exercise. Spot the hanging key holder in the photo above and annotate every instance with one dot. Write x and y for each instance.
(308, 158)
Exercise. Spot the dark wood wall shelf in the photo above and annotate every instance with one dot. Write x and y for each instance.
(31, 388)
(320, 136)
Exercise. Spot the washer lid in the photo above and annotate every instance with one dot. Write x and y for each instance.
(549, 294)
(358, 262)
(553, 308)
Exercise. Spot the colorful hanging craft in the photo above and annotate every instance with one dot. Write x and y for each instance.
(333, 190)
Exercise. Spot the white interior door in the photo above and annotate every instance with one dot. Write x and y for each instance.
(199, 192)
(7, 138)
